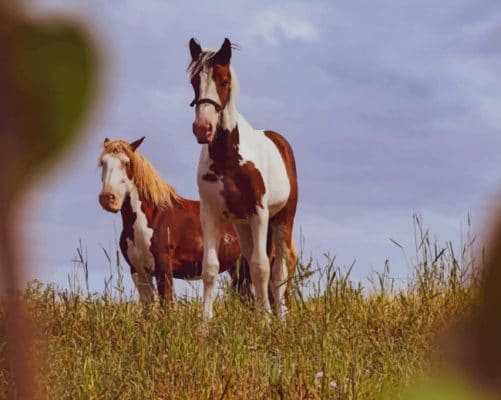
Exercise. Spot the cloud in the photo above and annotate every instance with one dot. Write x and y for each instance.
(271, 23)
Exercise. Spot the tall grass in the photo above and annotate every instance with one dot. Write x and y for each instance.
(341, 341)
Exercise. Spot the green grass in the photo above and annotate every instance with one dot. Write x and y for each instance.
(369, 341)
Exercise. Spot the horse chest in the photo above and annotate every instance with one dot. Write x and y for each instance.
(234, 177)
(138, 240)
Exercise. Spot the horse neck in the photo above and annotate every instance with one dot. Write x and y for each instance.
(135, 203)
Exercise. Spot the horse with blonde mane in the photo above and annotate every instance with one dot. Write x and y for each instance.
(161, 235)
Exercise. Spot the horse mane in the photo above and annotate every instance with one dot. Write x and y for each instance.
(201, 62)
(149, 184)
(204, 61)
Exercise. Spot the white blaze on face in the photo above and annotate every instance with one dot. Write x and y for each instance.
(207, 113)
(114, 176)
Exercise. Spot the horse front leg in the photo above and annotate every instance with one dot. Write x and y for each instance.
(259, 261)
(211, 229)
(144, 285)
(165, 284)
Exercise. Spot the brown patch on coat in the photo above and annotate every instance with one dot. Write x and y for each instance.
(128, 219)
(222, 78)
(243, 185)
(209, 177)
(195, 82)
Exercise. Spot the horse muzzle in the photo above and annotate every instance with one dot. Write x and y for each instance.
(110, 202)
(203, 132)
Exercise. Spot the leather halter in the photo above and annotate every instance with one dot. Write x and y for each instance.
(216, 105)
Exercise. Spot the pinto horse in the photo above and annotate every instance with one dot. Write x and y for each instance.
(161, 234)
(245, 176)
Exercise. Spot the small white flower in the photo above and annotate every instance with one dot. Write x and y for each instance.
(332, 385)
(319, 375)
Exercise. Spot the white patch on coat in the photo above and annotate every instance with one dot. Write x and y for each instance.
(207, 188)
(138, 250)
(227, 239)
(256, 147)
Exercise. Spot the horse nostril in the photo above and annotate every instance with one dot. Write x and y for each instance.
(106, 198)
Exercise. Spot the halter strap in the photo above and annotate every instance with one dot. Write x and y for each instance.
(216, 105)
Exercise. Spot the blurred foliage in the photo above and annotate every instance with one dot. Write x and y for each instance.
(47, 81)
(48, 76)
(448, 387)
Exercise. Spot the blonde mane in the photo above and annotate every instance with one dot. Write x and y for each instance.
(149, 184)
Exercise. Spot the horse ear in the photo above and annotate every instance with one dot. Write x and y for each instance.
(135, 144)
(195, 49)
(222, 57)
(106, 140)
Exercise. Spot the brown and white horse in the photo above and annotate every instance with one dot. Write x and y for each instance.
(161, 234)
(245, 176)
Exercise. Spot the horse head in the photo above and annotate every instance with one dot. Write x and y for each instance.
(117, 166)
(214, 85)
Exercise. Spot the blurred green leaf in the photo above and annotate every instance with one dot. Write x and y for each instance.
(53, 69)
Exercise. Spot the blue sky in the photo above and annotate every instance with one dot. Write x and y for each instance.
(392, 108)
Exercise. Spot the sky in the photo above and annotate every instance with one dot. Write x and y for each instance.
(392, 108)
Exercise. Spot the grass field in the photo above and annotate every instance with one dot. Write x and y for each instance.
(342, 341)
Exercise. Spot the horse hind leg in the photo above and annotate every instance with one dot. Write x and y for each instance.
(292, 260)
(279, 269)
(285, 260)
(291, 269)
(243, 279)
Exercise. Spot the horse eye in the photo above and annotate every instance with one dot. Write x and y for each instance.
(224, 83)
